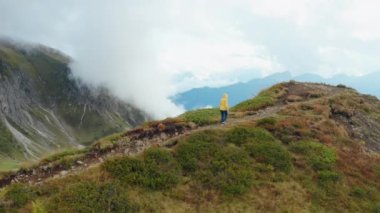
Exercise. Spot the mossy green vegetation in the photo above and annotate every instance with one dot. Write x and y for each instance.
(69, 153)
(157, 170)
(198, 147)
(20, 194)
(210, 160)
(213, 165)
(267, 123)
(223, 170)
(264, 99)
(319, 156)
(262, 146)
(202, 117)
(108, 142)
(65, 159)
(326, 177)
(242, 135)
(91, 196)
(271, 153)
(327, 183)
(254, 104)
(38, 207)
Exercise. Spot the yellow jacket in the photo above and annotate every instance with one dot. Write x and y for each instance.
(224, 103)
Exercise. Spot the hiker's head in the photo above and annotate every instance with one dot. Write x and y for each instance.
(225, 95)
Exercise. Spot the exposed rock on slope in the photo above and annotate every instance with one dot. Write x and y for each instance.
(43, 108)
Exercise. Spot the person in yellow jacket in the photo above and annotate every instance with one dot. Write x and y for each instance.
(224, 108)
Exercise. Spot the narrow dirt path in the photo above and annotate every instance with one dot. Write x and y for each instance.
(269, 111)
(167, 134)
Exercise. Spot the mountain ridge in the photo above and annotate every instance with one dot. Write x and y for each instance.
(45, 109)
(294, 147)
(209, 97)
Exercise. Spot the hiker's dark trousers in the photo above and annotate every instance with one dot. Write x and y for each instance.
(224, 115)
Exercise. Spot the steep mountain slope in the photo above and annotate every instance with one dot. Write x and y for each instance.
(201, 97)
(44, 109)
(294, 148)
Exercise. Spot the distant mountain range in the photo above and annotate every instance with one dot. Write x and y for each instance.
(209, 97)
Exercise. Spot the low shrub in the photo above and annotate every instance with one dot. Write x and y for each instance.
(158, 170)
(315, 95)
(263, 168)
(358, 192)
(162, 171)
(189, 154)
(326, 177)
(319, 156)
(325, 159)
(20, 194)
(376, 208)
(341, 86)
(107, 142)
(304, 147)
(66, 162)
(267, 123)
(377, 170)
(241, 135)
(293, 128)
(271, 153)
(64, 154)
(202, 117)
(198, 145)
(38, 207)
(230, 171)
(215, 165)
(92, 197)
(254, 104)
(210, 136)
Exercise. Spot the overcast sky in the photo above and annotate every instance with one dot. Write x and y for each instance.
(146, 51)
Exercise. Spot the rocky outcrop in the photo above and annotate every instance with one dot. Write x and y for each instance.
(45, 109)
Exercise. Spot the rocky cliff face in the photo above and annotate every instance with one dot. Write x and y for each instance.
(43, 108)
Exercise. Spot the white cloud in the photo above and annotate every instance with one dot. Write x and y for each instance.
(301, 12)
(339, 60)
(147, 51)
(205, 57)
(361, 18)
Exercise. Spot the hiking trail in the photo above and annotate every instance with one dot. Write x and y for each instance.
(129, 145)
(135, 141)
